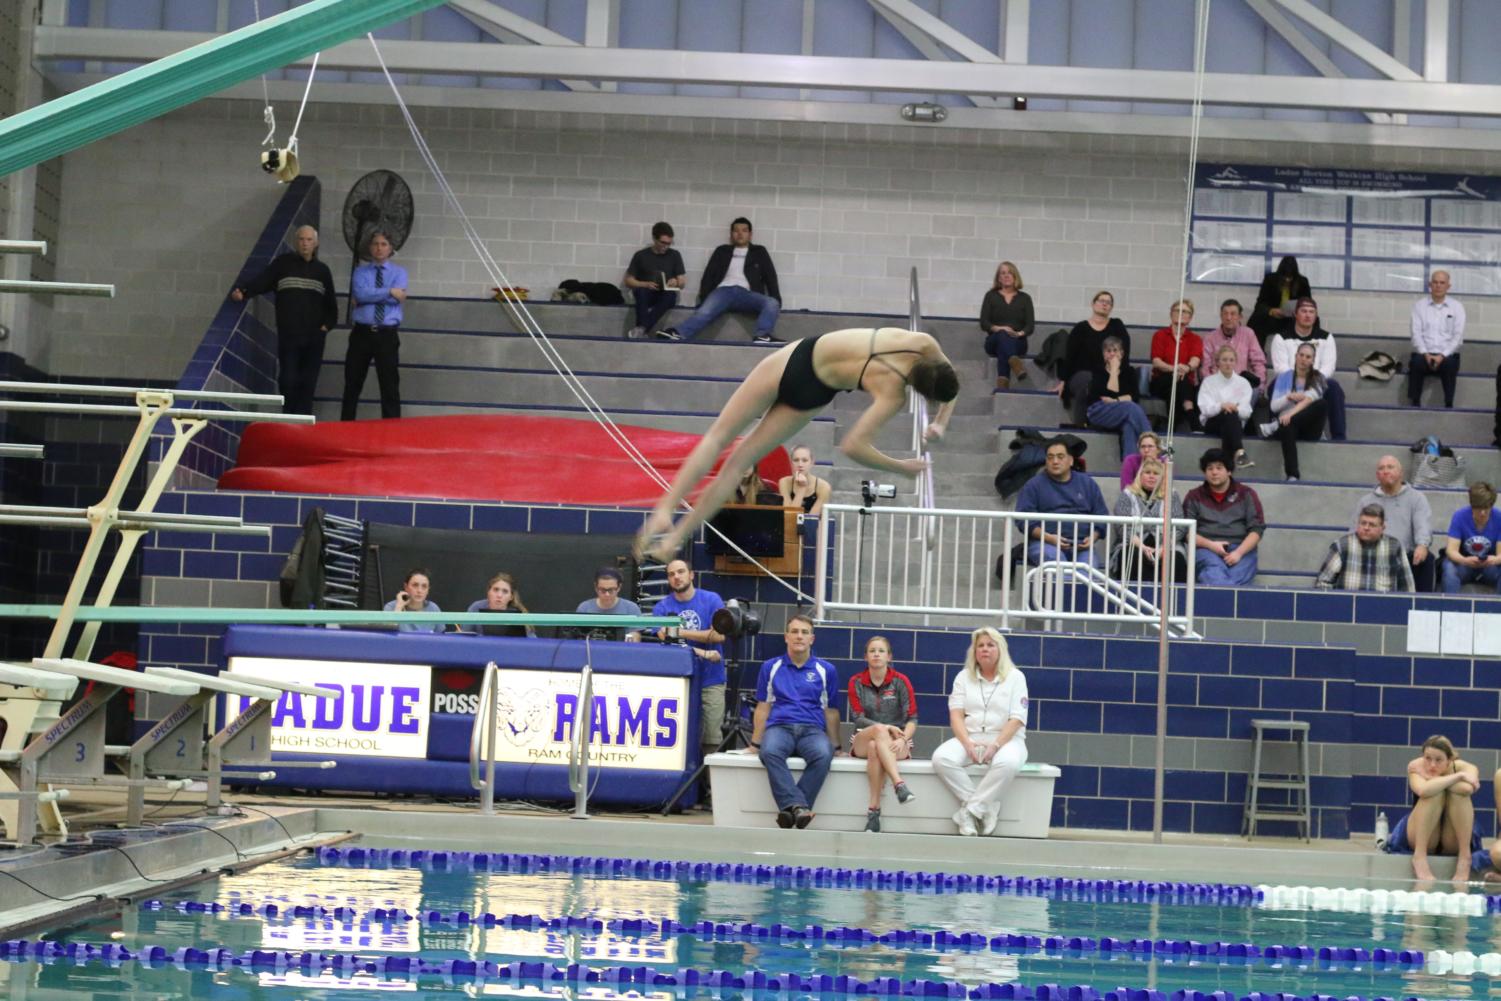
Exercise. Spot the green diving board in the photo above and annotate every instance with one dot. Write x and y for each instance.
(321, 617)
(143, 93)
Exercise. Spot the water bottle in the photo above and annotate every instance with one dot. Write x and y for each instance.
(1382, 831)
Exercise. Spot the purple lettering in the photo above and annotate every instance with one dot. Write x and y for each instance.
(401, 709)
(599, 723)
(667, 723)
(567, 706)
(289, 707)
(633, 724)
(328, 714)
(357, 715)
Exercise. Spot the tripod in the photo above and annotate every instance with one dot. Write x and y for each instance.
(737, 732)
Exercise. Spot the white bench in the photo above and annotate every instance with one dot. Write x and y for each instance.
(742, 798)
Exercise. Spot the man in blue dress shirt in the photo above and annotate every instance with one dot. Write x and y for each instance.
(378, 289)
(797, 713)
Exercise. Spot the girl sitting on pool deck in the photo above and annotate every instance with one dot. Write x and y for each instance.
(1442, 819)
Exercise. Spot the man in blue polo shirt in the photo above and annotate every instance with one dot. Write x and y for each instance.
(696, 607)
(796, 713)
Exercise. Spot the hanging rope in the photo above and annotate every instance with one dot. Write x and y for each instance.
(534, 330)
(306, 90)
(268, 114)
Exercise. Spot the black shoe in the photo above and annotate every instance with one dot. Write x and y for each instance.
(903, 794)
(801, 817)
(873, 821)
(766, 339)
(784, 818)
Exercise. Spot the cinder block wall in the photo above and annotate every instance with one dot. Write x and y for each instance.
(845, 209)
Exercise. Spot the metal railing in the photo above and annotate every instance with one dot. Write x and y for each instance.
(482, 735)
(992, 564)
(482, 742)
(578, 751)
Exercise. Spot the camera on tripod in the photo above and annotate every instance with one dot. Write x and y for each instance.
(870, 490)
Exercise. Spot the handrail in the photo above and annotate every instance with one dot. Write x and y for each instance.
(578, 751)
(923, 488)
(86, 389)
(1113, 591)
(483, 729)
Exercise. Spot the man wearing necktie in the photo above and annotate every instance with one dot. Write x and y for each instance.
(378, 288)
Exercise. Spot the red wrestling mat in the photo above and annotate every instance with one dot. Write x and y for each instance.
(504, 457)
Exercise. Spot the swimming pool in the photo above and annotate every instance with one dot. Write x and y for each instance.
(279, 924)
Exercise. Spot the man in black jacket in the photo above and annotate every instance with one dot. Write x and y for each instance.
(740, 278)
(306, 310)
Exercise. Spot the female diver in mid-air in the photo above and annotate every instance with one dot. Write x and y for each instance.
(785, 390)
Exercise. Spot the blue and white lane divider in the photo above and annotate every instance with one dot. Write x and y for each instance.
(1187, 950)
(1062, 887)
(1363, 901)
(685, 979)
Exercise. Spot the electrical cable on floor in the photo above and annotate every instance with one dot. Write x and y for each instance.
(62, 900)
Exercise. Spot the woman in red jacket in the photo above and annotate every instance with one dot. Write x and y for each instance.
(883, 708)
(1177, 354)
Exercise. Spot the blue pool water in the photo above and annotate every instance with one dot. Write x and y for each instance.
(555, 895)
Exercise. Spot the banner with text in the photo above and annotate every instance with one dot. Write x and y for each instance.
(1356, 230)
(378, 710)
(636, 721)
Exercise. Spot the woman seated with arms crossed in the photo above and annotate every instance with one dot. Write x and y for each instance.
(988, 714)
(884, 707)
(803, 489)
(502, 595)
(413, 598)
(1297, 400)
(1225, 405)
(1443, 817)
(1136, 557)
(1112, 398)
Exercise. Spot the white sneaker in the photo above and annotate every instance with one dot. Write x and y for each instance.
(966, 822)
(991, 822)
(635, 333)
(1268, 429)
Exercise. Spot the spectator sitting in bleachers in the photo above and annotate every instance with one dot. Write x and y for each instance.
(654, 276)
(883, 706)
(739, 278)
(1472, 554)
(1007, 319)
(1250, 360)
(1438, 331)
(1085, 353)
(1059, 490)
(1408, 519)
(1137, 555)
(1148, 446)
(1367, 559)
(1298, 408)
(802, 488)
(1177, 354)
(1112, 397)
(1231, 524)
(1302, 329)
(1279, 293)
(1225, 404)
(413, 598)
(503, 596)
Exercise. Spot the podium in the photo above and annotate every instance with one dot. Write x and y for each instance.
(758, 529)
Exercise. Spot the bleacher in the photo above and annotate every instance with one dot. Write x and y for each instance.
(454, 362)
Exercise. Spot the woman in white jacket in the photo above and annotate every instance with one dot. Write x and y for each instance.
(1225, 406)
(988, 714)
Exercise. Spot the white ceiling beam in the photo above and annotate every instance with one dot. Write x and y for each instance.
(512, 28)
(1305, 47)
(1351, 41)
(602, 28)
(1018, 26)
(1436, 41)
(924, 43)
(550, 62)
(845, 112)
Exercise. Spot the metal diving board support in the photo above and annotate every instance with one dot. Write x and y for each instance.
(150, 406)
(13, 451)
(20, 286)
(29, 703)
(72, 750)
(36, 248)
(245, 741)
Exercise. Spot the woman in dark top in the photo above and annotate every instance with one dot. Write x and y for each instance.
(502, 595)
(884, 707)
(1084, 354)
(1280, 290)
(1006, 317)
(803, 489)
(1112, 398)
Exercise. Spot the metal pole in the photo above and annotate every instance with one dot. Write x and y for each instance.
(56, 288)
(583, 726)
(84, 389)
(36, 248)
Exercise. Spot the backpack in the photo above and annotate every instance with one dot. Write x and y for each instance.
(1436, 465)
(597, 293)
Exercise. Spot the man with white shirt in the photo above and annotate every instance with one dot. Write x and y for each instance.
(1438, 330)
(739, 278)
